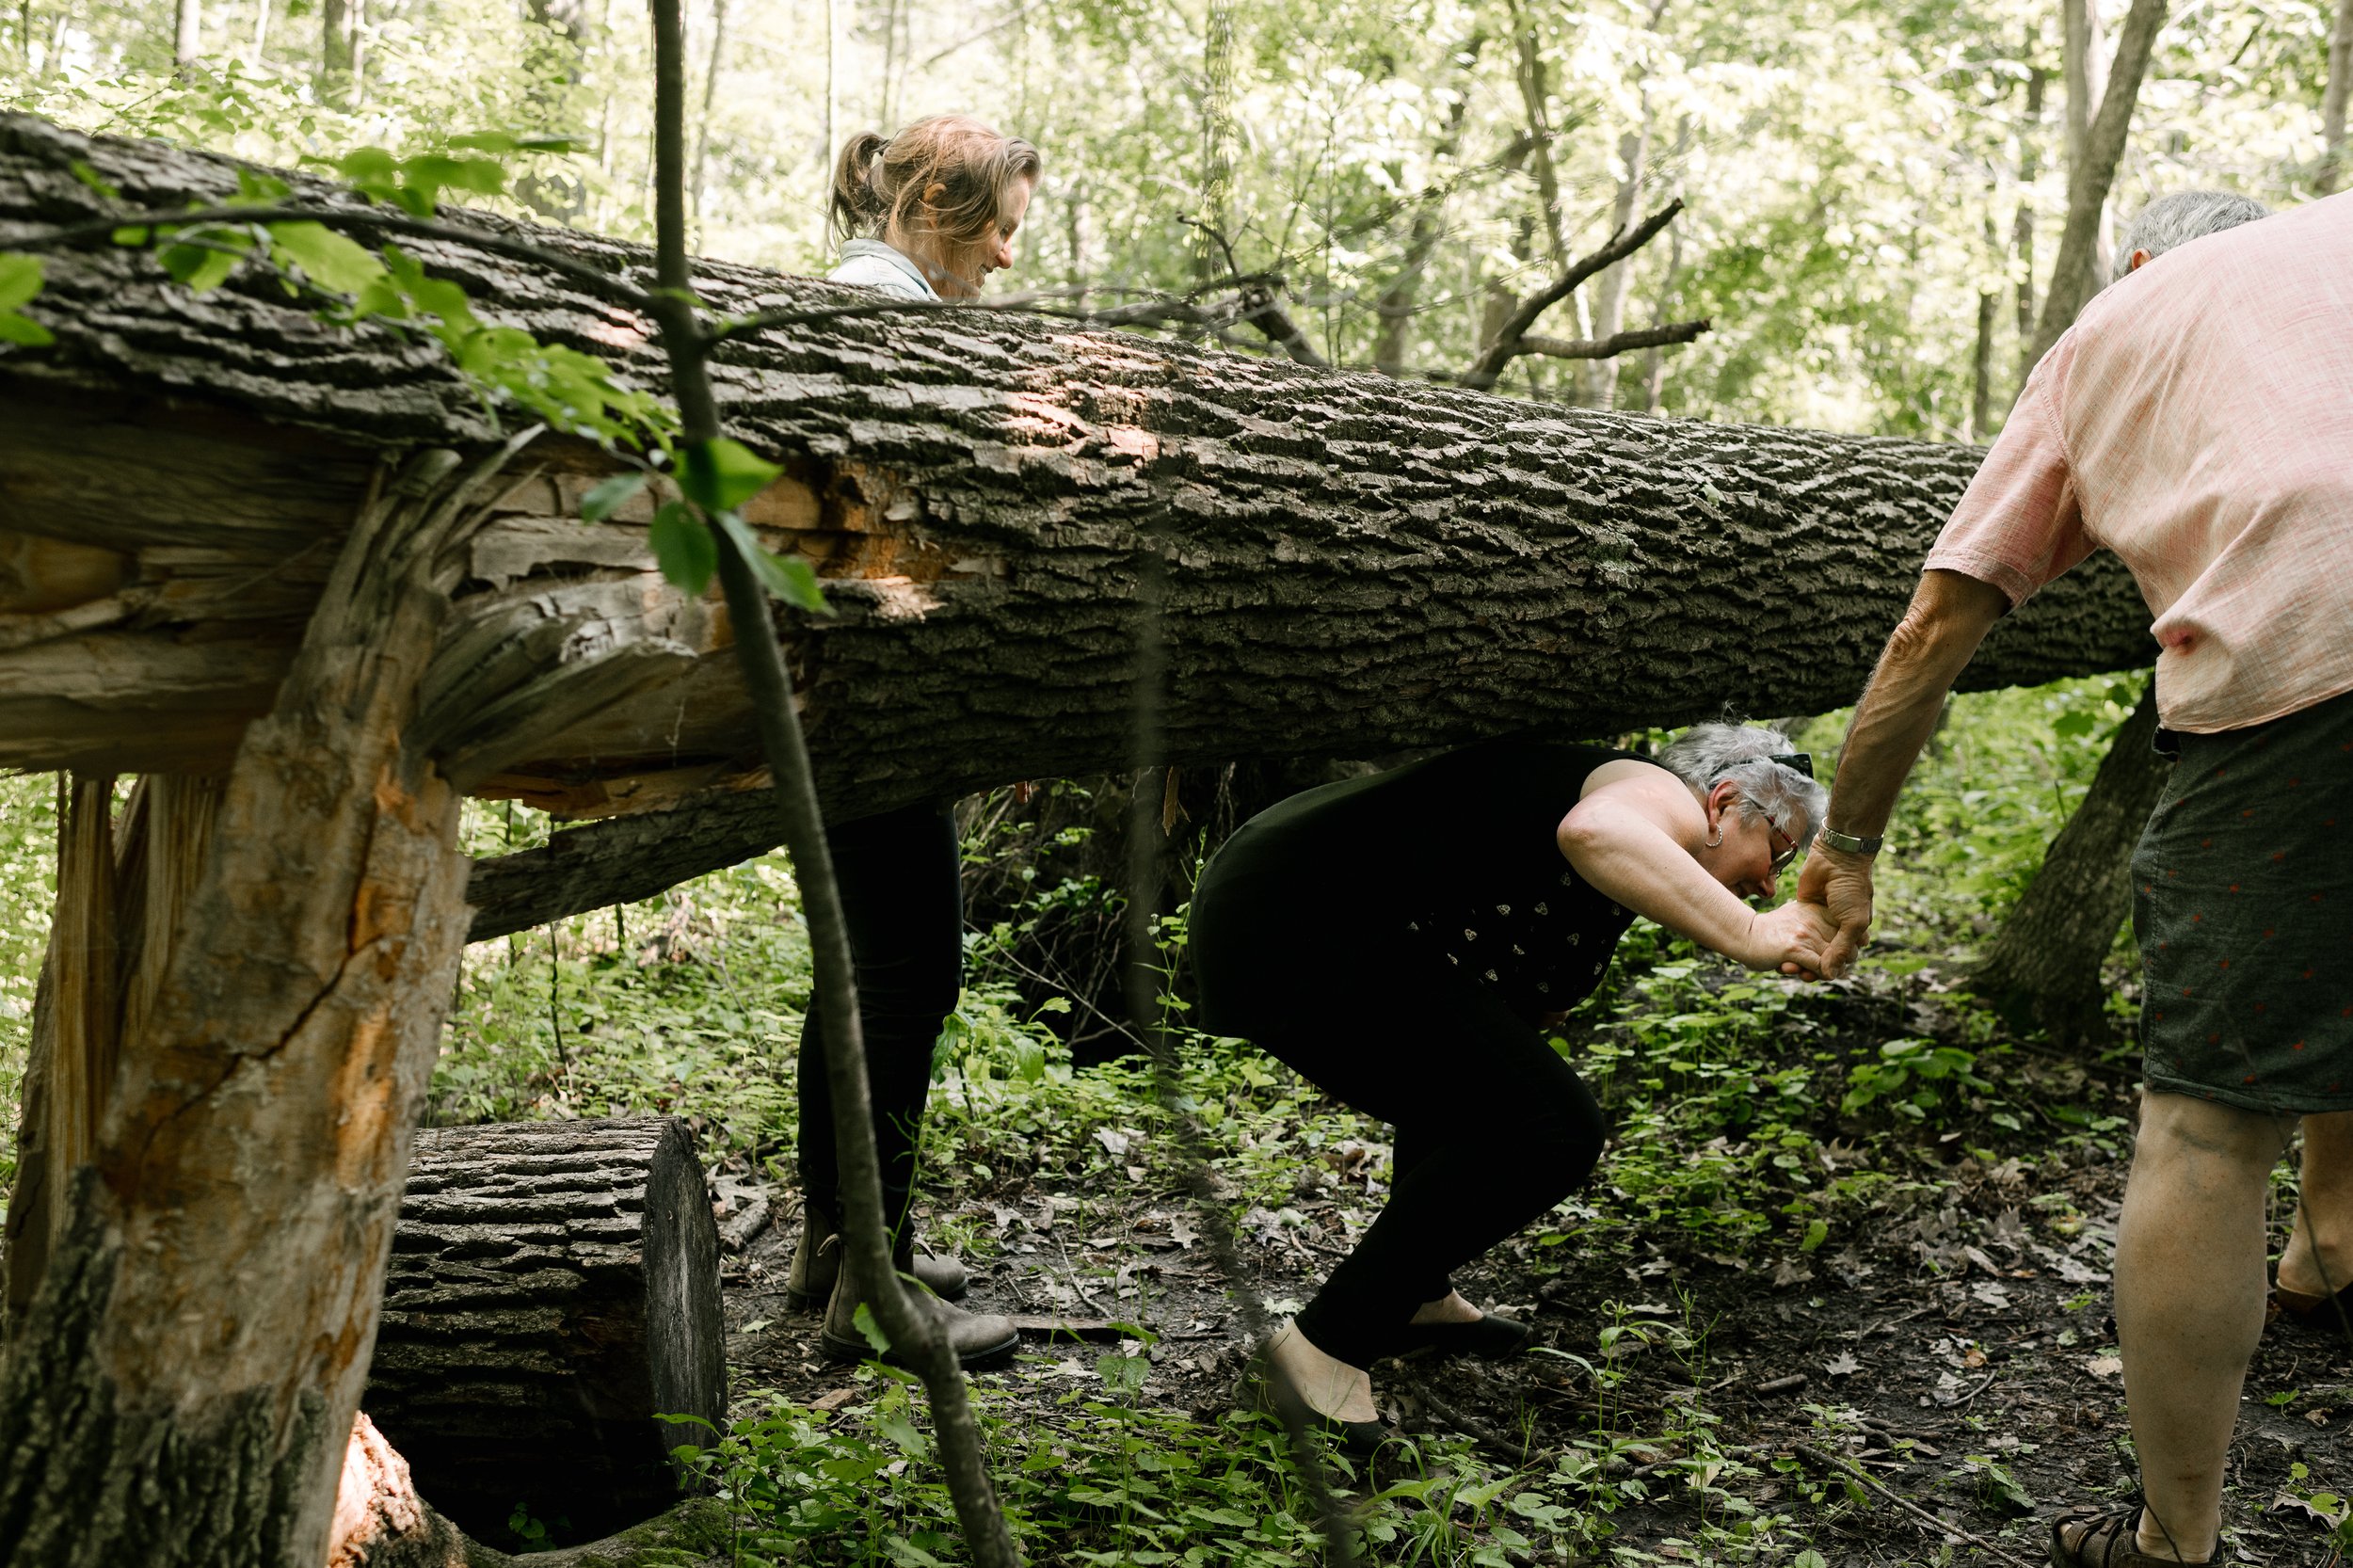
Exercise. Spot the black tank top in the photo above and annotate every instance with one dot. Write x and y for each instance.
(1455, 860)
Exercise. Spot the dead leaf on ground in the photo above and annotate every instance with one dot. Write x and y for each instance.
(1841, 1365)
(833, 1399)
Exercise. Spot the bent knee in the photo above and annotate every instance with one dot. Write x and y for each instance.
(1560, 1142)
(2185, 1125)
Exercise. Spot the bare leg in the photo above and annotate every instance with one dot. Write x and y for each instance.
(2318, 1260)
(2189, 1304)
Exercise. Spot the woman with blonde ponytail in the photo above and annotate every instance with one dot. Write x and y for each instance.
(929, 213)
(926, 215)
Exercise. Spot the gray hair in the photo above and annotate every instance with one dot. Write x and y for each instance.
(1706, 755)
(2178, 218)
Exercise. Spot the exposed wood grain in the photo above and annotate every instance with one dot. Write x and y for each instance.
(181, 1390)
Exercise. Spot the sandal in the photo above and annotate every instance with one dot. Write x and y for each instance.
(2327, 1314)
(2106, 1540)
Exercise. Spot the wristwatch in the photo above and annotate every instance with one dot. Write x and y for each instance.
(1847, 843)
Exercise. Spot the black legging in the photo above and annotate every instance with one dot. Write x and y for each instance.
(1493, 1127)
(902, 894)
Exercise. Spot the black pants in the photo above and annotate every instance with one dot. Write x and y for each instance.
(902, 895)
(1493, 1127)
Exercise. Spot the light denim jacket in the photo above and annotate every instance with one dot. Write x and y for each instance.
(878, 267)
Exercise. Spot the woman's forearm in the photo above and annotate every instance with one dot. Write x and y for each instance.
(1634, 861)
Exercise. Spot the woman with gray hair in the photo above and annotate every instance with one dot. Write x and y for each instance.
(1403, 940)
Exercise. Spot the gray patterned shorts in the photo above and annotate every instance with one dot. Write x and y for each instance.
(2243, 905)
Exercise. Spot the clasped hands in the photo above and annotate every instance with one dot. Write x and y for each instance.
(1817, 934)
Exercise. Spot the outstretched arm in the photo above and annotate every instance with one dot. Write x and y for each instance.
(1631, 837)
(1948, 617)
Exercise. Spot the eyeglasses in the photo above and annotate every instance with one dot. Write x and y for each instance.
(1780, 858)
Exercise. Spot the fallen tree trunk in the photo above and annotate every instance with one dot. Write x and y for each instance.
(553, 1290)
(1350, 564)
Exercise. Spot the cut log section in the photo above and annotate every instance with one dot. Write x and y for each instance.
(553, 1290)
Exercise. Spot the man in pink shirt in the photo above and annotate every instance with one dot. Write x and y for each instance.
(2197, 420)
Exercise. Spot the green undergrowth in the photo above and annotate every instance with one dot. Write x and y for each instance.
(1091, 1471)
(1761, 1123)
(29, 886)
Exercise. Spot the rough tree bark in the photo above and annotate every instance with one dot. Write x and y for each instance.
(553, 1288)
(183, 1386)
(1359, 564)
(2043, 968)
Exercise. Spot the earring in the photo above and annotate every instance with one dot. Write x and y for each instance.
(1718, 842)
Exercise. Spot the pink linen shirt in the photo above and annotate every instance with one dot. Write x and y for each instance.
(2196, 419)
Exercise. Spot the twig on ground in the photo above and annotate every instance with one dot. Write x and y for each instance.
(1479, 1431)
(1941, 1526)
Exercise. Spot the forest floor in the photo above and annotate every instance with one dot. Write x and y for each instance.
(1925, 1387)
(1838, 1292)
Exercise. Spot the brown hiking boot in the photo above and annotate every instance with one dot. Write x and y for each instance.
(981, 1340)
(818, 1258)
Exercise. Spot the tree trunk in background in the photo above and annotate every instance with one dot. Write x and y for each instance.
(2332, 102)
(182, 1388)
(2075, 276)
(1395, 307)
(2084, 62)
(1535, 102)
(1981, 362)
(557, 53)
(1599, 378)
(2043, 969)
(2021, 227)
(187, 32)
(2046, 960)
(339, 49)
(702, 123)
(1655, 358)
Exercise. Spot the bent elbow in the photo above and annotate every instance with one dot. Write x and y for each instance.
(1586, 833)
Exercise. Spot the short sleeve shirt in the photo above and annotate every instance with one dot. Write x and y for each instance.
(875, 266)
(2196, 419)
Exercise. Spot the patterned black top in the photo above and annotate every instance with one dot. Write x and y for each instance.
(1457, 858)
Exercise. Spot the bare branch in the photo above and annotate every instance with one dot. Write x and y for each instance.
(1505, 348)
(1262, 307)
(1615, 343)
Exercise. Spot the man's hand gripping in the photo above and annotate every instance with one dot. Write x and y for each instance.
(1840, 884)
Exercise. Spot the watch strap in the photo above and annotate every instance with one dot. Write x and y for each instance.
(1847, 843)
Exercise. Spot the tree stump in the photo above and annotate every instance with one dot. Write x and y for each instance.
(553, 1290)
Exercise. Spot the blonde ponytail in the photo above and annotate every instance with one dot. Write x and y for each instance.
(947, 175)
(858, 207)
